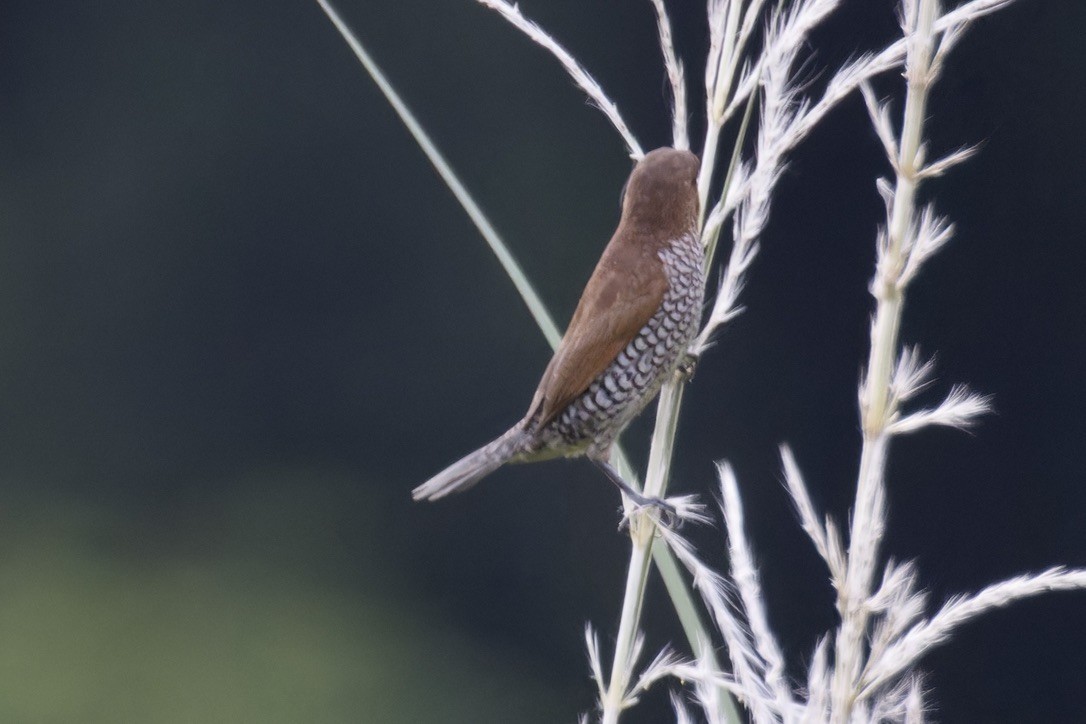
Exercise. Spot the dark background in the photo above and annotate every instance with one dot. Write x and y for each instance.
(240, 318)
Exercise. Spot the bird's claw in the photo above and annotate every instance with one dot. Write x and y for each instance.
(657, 509)
(688, 365)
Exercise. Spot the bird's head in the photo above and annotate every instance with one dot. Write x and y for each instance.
(662, 192)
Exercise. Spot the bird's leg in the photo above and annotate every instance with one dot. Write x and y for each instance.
(667, 510)
(688, 364)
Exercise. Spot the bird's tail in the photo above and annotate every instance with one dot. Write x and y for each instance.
(472, 468)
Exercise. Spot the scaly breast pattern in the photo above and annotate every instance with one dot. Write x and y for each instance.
(592, 421)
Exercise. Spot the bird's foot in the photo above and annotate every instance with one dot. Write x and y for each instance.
(670, 513)
(658, 509)
(688, 365)
(661, 511)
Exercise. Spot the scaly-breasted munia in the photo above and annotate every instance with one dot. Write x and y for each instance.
(630, 331)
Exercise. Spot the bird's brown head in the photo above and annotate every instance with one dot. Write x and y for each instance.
(661, 194)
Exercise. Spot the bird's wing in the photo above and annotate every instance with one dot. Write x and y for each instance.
(624, 292)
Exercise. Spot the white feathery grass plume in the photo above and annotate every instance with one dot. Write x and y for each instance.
(952, 159)
(880, 121)
(719, 598)
(877, 403)
(659, 668)
(960, 410)
(697, 673)
(890, 691)
(724, 709)
(708, 683)
(709, 689)
(749, 194)
(840, 86)
(820, 535)
(966, 13)
(910, 237)
(619, 694)
(682, 713)
(744, 576)
(616, 697)
(898, 604)
(816, 710)
(785, 38)
(642, 536)
(716, 14)
(750, 70)
(635, 656)
(914, 704)
(904, 653)
(911, 376)
(748, 83)
(676, 77)
(592, 644)
(628, 640)
(581, 77)
(723, 20)
(868, 66)
(867, 529)
(929, 234)
(892, 705)
(894, 578)
(727, 47)
(837, 553)
(726, 305)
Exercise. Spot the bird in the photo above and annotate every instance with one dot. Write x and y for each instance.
(630, 331)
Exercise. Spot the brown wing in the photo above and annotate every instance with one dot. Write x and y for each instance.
(624, 292)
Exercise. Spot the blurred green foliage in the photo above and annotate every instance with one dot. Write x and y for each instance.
(234, 615)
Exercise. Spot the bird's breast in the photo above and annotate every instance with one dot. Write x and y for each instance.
(634, 377)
